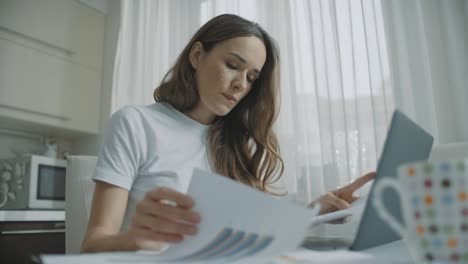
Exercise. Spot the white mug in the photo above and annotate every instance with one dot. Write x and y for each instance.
(434, 199)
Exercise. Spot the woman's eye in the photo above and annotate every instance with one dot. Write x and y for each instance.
(231, 66)
(250, 80)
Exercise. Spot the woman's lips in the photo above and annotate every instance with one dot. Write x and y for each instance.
(230, 97)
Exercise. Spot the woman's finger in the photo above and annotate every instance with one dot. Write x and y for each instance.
(359, 182)
(354, 198)
(167, 194)
(334, 200)
(167, 211)
(163, 225)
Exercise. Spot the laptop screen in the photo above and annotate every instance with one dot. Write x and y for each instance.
(405, 142)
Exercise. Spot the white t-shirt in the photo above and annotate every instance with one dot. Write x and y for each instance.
(151, 146)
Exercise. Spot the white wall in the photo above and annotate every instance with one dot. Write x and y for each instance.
(21, 143)
(90, 145)
(100, 5)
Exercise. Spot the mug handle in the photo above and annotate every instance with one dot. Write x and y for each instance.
(383, 213)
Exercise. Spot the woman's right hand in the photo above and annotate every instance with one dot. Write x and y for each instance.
(163, 216)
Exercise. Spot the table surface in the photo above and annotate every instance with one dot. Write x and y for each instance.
(395, 252)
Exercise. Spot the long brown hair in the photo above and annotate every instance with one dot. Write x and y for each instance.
(242, 145)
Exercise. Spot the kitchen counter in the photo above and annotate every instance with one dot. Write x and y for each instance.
(31, 215)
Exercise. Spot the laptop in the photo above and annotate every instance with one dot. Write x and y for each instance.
(405, 142)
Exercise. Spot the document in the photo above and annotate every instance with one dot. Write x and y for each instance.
(238, 223)
(357, 207)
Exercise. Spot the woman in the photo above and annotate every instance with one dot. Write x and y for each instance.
(214, 110)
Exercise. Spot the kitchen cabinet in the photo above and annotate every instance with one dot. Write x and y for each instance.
(51, 65)
(23, 242)
(28, 233)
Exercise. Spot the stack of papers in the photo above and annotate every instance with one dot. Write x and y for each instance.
(238, 223)
(357, 207)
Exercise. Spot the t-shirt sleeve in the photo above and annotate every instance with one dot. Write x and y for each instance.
(119, 156)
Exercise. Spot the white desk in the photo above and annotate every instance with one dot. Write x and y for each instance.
(395, 252)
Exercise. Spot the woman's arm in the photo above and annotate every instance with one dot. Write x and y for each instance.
(162, 216)
(107, 212)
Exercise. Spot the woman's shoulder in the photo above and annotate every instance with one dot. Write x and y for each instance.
(125, 115)
(145, 115)
(138, 111)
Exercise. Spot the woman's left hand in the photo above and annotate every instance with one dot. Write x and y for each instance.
(342, 198)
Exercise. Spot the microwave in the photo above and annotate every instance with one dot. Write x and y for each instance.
(32, 182)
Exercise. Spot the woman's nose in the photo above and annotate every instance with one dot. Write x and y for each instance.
(240, 83)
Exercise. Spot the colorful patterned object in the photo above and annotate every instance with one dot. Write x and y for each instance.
(434, 198)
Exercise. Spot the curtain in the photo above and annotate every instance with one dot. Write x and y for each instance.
(336, 97)
(428, 52)
(151, 36)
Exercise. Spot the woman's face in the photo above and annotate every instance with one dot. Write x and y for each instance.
(225, 75)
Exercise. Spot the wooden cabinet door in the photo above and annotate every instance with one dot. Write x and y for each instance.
(50, 63)
(68, 27)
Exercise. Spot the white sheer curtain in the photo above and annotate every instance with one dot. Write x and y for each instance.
(428, 47)
(336, 95)
(152, 34)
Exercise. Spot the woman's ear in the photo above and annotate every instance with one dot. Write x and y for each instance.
(195, 54)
